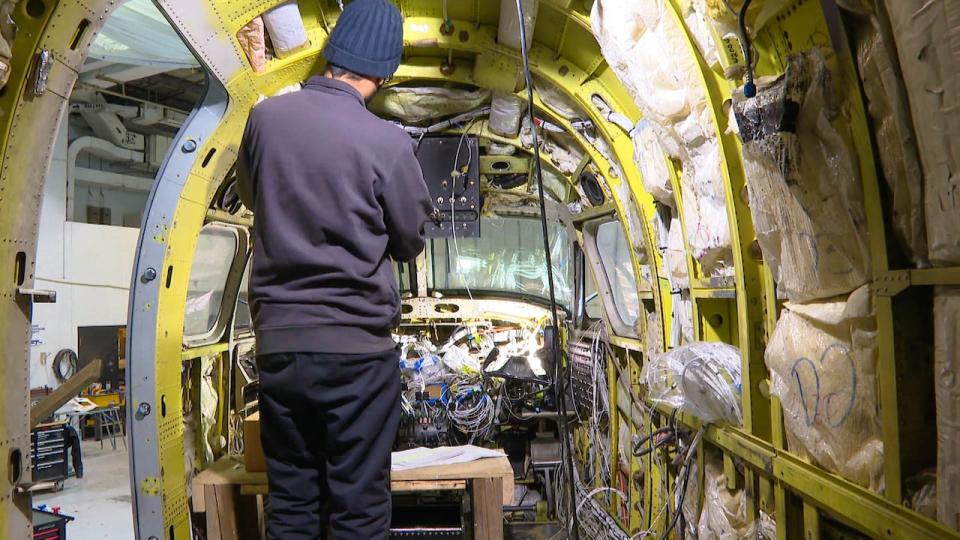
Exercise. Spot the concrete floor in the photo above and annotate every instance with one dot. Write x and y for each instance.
(100, 501)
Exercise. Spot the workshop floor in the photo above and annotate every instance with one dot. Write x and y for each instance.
(100, 501)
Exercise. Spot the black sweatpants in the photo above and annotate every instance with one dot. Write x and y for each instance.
(328, 423)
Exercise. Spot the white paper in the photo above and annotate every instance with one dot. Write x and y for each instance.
(416, 458)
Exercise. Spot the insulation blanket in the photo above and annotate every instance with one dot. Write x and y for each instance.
(651, 161)
(286, 29)
(701, 378)
(946, 314)
(5, 56)
(254, 44)
(893, 133)
(724, 514)
(419, 104)
(675, 257)
(648, 48)
(927, 34)
(805, 191)
(822, 360)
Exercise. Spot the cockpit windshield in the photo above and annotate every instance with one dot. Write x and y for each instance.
(507, 258)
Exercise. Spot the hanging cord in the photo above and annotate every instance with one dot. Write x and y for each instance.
(64, 372)
(558, 369)
(749, 87)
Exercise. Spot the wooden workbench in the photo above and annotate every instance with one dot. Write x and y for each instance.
(220, 491)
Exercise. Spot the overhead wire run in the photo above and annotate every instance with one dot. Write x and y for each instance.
(558, 388)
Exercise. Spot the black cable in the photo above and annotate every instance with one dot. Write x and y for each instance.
(71, 358)
(561, 398)
(749, 87)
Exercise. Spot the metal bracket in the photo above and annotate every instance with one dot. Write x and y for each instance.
(39, 296)
(891, 283)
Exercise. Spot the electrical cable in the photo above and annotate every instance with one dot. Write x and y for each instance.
(561, 398)
(453, 195)
(71, 358)
(749, 87)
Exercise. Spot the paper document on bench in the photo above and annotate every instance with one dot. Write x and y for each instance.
(444, 455)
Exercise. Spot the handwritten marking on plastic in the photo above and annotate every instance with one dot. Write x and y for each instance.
(826, 407)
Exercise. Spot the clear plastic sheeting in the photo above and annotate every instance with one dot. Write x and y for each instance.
(893, 133)
(421, 103)
(137, 33)
(822, 359)
(553, 97)
(682, 318)
(921, 493)
(508, 32)
(702, 379)
(675, 257)
(694, 15)
(560, 148)
(505, 112)
(651, 161)
(805, 191)
(724, 515)
(648, 49)
(946, 372)
(286, 29)
(927, 34)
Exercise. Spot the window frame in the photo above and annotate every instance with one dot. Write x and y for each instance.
(601, 277)
(231, 287)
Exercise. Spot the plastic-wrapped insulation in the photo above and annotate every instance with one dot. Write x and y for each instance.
(893, 133)
(5, 56)
(618, 119)
(927, 35)
(822, 359)
(701, 378)
(422, 103)
(286, 29)
(805, 191)
(508, 33)
(946, 329)
(505, 112)
(651, 160)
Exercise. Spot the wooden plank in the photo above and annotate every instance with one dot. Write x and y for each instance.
(404, 486)
(487, 508)
(221, 512)
(65, 392)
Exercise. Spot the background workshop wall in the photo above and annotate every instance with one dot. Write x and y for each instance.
(87, 265)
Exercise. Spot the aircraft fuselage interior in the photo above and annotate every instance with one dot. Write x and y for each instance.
(693, 265)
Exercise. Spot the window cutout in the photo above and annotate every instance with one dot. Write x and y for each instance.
(446, 308)
(209, 156)
(163, 406)
(406, 309)
(15, 466)
(169, 276)
(500, 165)
(78, 36)
(171, 534)
(20, 268)
(615, 257)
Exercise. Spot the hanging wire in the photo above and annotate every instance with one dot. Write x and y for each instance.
(558, 368)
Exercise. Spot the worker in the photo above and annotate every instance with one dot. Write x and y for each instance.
(336, 192)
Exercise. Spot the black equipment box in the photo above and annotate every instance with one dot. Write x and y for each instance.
(454, 184)
(49, 526)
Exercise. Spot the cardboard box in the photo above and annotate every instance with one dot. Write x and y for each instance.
(253, 457)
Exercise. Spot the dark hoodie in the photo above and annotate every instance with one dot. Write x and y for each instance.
(335, 193)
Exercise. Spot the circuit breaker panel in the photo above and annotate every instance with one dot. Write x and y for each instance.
(451, 168)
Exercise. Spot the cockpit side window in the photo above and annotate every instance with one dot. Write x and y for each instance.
(217, 252)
